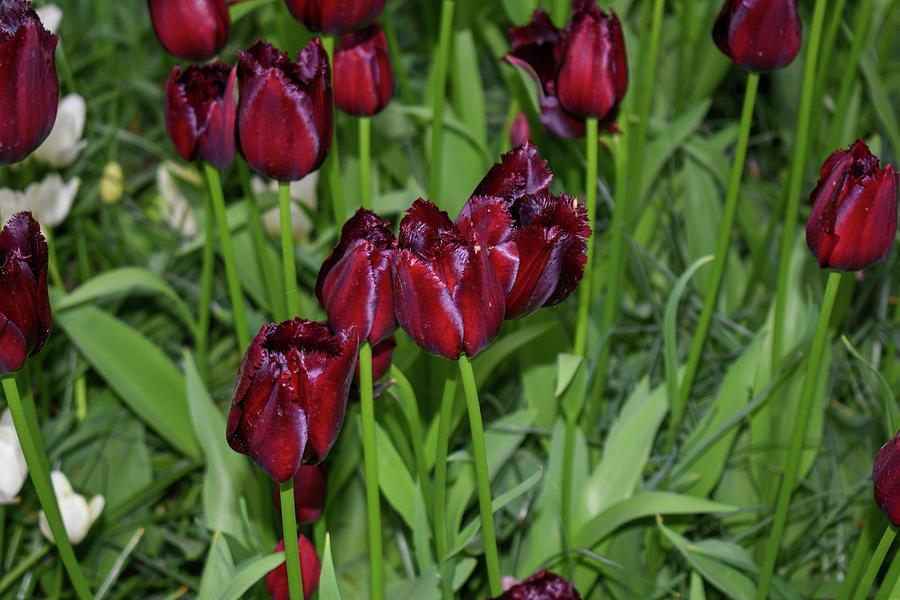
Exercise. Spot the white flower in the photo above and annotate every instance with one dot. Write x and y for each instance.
(302, 191)
(77, 514)
(13, 469)
(50, 200)
(50, 16)
(64, 142)
(174, 207)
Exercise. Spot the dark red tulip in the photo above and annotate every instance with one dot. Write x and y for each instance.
(520, 172)
(335, 16)
(200, 112)
(310, 568)
(853, 221)
(520, 130)
(24, 303)
(291, 395)
(543, 585)
(759, 35)
(29, 90)
(886, 480)
(354, 283)
(190, 29)
(446, 294)
(309, 493)
(363, 77)
(285, 117)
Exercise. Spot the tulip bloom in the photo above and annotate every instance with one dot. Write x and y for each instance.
(886, 480)
(29, 90)
(291, 395)
(49, 199)
(310, 568)
(285, 117)
(758, 35)
(335, 16)
(200, 112)
(24, 302)
(520, 130)
(15, 469)
(543, 585)
(853, 221)
(64, 142)
(192, 30)
(363, 77)
(77, 513)
(309, 493)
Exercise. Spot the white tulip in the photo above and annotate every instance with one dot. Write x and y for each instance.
(49, 200)
(13, 469)
(64, 142)
(174, 207)
(302, 191)
(77, 514)
(50, 15)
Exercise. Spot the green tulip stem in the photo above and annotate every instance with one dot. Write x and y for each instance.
(865, 584)
(207, 275)
(795, 181)
(365, 160)
(288, 260)
(801, 422)
(718, 267)
(860, 34)
(291, 547)
(214, 185)
(590, 200)
(52, 262)
(370, 462)
(28, 431)
(332, 164)
(862, 552)
(439, 509)
(889, 587)
(439, 91)
(481, 475)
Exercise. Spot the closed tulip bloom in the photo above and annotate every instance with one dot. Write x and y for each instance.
(853, 221)
(291, 395)
(335, 16)
(309, 493)
(200, 112)
(543, 585)
(759, 35)
(886, 480)
(363, 77)
(190, 29)
(310, 569)
(29, 90)
(285, 116)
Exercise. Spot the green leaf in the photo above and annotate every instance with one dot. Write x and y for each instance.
(241, 9)
(571, 379)
(253, 571)
(494, 355)
(890, 402)
(218, 570)
(328, 587)
(394, 479)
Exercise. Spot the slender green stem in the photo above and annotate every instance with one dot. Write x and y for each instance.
(2, 531)
(291, 548)
(590, 199)
(288, 260)
(38, 467)
(332, 166)
(848, 78)
(798, 164)
(21, 567)
(889, 584)
(365, 152)
(865, 584)
(404, 89)
(861, 553)
(52, 262)
(568, 460)
(439, 90)
(206, 289)
(801, 422)
(718, 267)
(481, 475)
(439, 510)
(370, 460)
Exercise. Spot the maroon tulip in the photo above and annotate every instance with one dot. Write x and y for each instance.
(200, 112)
(310, 568)
(284, 118)
(190, 29)
(363, 77)
(446, 294)
(29, 90)
(543, 585)
(520, 130)
(335, 16)
(309, 493)
(758, 35)
(291, 394)
(853, 221)
(24, 302)
(886, 480)
(354, 283)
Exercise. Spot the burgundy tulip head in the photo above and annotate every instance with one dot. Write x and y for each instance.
(29, 89)
(285, 117)
(543, 585)
(310, 569)
(446, 294)
(886, 479)
(310, 488)
(190, 29)
(24, 302)
(200, 112)
(853, 221)
(291, 395)
(336, 17)
(759, 35)
(363, 77)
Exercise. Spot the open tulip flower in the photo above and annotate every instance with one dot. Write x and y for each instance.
(543, 585)
(363, 77)
(77, 513)
(335, 16)
(886, 479)
(759, 35)
(191, 29)
(310, 569)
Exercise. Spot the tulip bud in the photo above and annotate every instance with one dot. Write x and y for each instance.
(310, 569)
(519, 131)
(64, 142)
(309, 493)
(77, 514)
(112, 183)
(335, 16)
(886, 480)
(758, 35)
(543, 585)
(285, 117)
(363, 77)
(853, 221)
(15, 470)
(29, 90)
(190, 29)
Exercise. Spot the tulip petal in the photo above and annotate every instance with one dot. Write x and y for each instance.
(520, 171)
(886, 479)
(761, 34)
(24, 299)
(310, 568)
(480, 299)
(12, 346)
(191, 30)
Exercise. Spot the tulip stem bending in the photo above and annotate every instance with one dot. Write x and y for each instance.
(288, 261)
(439, 91)
(801, 422)
(590, 200)
(291, 545)
(865, 584)
(365, 152)
(28, 430)
(370, 460)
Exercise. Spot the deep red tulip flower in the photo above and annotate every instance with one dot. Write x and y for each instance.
(310, 488)
(520, 130)
(853, 221)
(200, 112)
(447, 296)
(24, 303)
(354, 283)
(543, 585)
(285, 116)
(310, 568)
(291, 395)
(886, 479)
(759, 35)
(190, 29)
(520, 172)
(363, 77)
(335, 16)
(29, 90)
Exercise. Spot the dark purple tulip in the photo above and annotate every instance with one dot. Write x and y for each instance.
(190, 29)
(200, 112)
(310, 487)
(285, 116)
(310, 568)
(447, 296)
(853, 221)
(759, 35)
(291, 395)
(335, 16)
(543, 585)
(363, 77)
(886, 480)
(24, 303)
(520, 172)
(29, 90)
